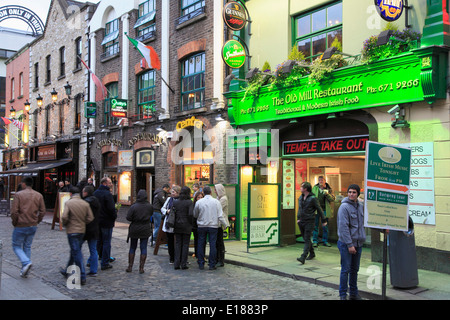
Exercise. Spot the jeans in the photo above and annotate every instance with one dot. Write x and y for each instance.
(349, 270)
(22, 238)
(142, 245)
(202, 233)
(306, 229)
(156, 223)
(93, 255)
(76, 257)
(316, 230)
(106, 234)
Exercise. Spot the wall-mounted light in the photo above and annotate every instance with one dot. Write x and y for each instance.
(27, 106)
(39, 100)
(12, 112)
(54, 95)
(68, 89)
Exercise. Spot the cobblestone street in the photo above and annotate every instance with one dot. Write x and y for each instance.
(50, 251)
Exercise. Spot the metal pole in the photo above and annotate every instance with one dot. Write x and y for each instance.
(1, 258)
(383, 285)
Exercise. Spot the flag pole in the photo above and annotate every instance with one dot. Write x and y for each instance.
(91, 72)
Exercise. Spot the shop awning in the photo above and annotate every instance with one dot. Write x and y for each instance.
(32, 169)
(144, 19)
(110, 37)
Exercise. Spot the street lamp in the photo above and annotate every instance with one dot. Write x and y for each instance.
(68, 89)
(54, 95)
(12, 112)
(39, 100)
(27, 106)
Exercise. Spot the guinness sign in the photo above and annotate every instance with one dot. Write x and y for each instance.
(234, 16)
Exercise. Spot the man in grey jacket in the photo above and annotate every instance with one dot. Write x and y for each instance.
(351, 234)
(209, 214)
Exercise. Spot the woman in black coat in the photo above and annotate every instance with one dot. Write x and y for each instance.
(139, 214)
(183, 227)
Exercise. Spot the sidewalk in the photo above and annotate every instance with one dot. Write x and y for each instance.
(324, 270)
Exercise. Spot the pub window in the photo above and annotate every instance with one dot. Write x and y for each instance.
(113, 92)
(48, 74)
(193, 82)
(78, 53)
(316, 31)
(36, 75)
(189, 6)
(145, 24)
(62, 61)
(78, 103)
(146, 94)
(110, 42)
(12, 89)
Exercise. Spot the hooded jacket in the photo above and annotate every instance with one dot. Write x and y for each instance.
(160, 197)
(139, 215)
(350, 221)
(223, 199)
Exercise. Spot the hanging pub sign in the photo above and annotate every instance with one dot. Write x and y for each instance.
(233, 54)
(339, 144)
(389, 10)
(119, 108)
(90, 109)
(234, 16)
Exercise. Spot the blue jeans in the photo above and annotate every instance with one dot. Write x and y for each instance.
(93, 255)
(22, 238)
(106, 234)
(156, 223)
(76, 257)
(349, 270)
(202, 233)
(316, 230)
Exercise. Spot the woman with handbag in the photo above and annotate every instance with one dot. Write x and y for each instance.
(182, 208)
(139, 215)
(166, 210)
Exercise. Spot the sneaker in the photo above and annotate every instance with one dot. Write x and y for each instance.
(106, 267)
(326, 244)
(213, 268)
(357, 297)
(92, 274)
(63, 272)
(111, 259)
(24, 271)
(314, 245)
(171, 262)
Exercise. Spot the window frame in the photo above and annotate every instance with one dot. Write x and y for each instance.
(48, 69)
(314, 34)
(140, 104)
(185, 10)
(193, 75)
(62, 61)
(78, 52)
(111, 48)
(112, 88)
(36, 75)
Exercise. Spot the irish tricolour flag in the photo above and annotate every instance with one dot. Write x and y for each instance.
(148, 53)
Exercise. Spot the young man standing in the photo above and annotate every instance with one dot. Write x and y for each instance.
(351, 235)
(28, 210)
(307, 207)
(77, 214)
(324, 194)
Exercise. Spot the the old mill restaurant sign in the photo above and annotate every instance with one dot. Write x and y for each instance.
(347, 89)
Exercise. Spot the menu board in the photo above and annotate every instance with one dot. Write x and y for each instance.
(288, 184)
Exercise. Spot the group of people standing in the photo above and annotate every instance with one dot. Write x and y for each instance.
(200, 214)
(350, 228)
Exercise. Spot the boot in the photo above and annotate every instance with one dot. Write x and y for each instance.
(141, 263)
(130, 262)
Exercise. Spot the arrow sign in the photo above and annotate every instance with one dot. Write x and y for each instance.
(387, 186)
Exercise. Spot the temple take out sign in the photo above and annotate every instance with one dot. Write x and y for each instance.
(364, 86)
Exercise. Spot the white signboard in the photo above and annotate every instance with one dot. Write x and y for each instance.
(421, 195)
(264, 233)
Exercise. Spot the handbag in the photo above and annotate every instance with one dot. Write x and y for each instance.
(171, 218)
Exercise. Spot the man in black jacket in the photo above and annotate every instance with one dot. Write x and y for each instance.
(107, 217)
(306, 216)
(158, 202)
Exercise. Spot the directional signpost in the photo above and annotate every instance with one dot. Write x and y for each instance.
(386, 191)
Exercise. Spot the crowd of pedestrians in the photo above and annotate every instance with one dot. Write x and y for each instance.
(177, 212)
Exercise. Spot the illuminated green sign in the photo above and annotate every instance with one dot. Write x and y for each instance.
(389, 82)
(233, 54)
